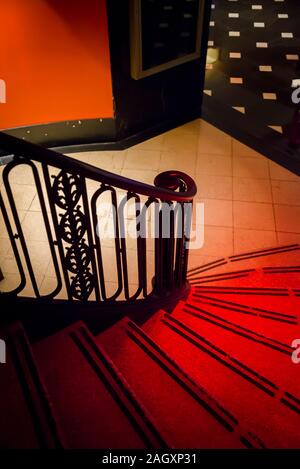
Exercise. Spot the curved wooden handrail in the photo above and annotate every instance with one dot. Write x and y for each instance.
(171, 185)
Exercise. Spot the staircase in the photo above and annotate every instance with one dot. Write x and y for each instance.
(215, 372)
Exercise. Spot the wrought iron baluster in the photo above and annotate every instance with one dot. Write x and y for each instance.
(49, 233)
(188, 209)
(159, 252)
(169, 248)
(17, 222)
(98, 246)
(13, 238)
(179, 247)
(145, 232)
(90, 237)
(122, 205)
(56, 228)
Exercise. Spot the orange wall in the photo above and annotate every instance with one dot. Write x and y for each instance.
(54, 58)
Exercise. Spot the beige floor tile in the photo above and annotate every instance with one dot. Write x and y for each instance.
(218, 242)
(118, 158)
(286, 192)
(217, 212)
(48, 285)
(92, 186)
(277, 172)
(154, 143)
(252, 190)
(50, 270)
(197, 261)
(109, 264)
(3, 230)
(5, 245)
(249, 167)
(35, 205)
(108, 160)
(33, 227)
(239, 149)
(9, 266)
(21, 174)
(10, 282)
(251, 215)
(142, 159)
(132, 266)
(28, 290)
(288, 238)
(214, 165)
(23, 195)
(213, 187)
(145, 176)
(247, 240)
(39, 253)
(193, 126)
(180, 141)
(1, 174)
(213, 141)
(183, 161)
(112, 287)
(287, 218)
(100, 159)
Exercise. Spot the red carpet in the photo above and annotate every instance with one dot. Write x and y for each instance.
(215, 373)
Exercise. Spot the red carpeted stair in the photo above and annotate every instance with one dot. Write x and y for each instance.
(181, 406)
(27, 418)
(215, 372)
(96, 406)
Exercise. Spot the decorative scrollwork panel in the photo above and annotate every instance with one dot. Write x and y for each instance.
(68, 193)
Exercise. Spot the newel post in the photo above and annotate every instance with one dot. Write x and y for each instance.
(173, 225)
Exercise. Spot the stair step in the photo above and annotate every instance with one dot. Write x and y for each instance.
(27, 419)
(257, 402)
(280, 326)
(274, 257)
(268, 357)
(286, 277)
(95, 405)
(282, 300)
(183, 409)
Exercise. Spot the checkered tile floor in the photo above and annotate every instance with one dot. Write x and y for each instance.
(259, 51)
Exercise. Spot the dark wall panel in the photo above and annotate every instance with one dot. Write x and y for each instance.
(169, 97)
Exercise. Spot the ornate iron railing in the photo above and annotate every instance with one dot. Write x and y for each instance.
(68, 193)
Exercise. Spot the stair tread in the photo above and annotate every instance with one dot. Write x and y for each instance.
(282, 301)
(281, 277)
(253, 401)
(282, 255)
(186, 422)
(270, 322)
(89, 403)
(261, 353)
(26, 416)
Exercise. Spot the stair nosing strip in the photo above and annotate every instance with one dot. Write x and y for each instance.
(262, 252)
(274, 344)
(241, 308)
(240, 364)
(179, 375)
(243, 437)
(126, 398)
(31, 381)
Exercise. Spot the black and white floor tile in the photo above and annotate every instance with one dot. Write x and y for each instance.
(258, 63)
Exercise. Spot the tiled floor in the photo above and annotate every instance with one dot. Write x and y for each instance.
(252, 72)
(249, 201)
(256, 52)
